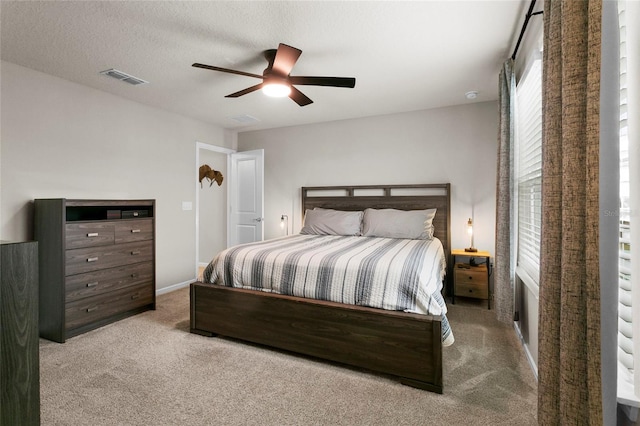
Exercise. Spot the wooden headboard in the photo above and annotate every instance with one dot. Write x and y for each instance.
(401, 197)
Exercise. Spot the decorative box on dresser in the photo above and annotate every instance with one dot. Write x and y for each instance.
(19, 341)
(97, 263)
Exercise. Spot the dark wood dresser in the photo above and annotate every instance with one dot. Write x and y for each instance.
(97, 263)
(19, 341)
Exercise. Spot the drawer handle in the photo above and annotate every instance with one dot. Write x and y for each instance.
(134, 275)
(470, 291)
(92, 234)
(135, 296)
(92, 259)
(135, 252)
(135, 231)
(470, 278)
(135, 214)
(92, 309)
(93, 284)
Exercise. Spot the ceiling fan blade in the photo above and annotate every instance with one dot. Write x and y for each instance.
(286, 57)
(324, 81)
(299, 97)
(245, 91)
(211, 67)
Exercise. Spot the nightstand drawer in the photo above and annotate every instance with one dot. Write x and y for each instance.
(479, 291)
(471, 275)
(471, 281)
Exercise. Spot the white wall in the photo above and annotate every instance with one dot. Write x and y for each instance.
(456, 144)
(64, 140)
(213, 203)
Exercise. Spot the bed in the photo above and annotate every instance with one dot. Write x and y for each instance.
(366, 331)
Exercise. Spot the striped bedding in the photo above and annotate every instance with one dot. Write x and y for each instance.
(386, 273)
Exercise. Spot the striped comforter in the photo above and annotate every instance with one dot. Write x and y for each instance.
(386, 273)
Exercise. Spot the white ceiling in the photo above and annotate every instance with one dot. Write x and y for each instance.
(405, 56)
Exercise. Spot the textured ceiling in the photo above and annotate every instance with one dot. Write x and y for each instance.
(405, 55)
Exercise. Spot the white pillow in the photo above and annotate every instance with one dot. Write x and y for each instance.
(392, 223)
(332, 222)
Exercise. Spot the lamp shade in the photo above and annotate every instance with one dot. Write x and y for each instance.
(284, 222)
(470, 232)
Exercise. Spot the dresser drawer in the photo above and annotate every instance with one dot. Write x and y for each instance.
(94, 283)
(79, 235)
(83, 260)
(85, 311)
(134, 230)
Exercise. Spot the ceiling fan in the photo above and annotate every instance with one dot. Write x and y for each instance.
(276, 80)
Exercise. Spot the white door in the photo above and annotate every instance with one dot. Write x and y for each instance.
(246, 197)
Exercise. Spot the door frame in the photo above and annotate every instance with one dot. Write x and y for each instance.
(214, 148)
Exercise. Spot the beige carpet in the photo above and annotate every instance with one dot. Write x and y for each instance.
(149, 370)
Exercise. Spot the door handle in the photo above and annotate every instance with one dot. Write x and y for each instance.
(258, 219)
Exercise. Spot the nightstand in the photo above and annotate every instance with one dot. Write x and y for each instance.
(471, 277)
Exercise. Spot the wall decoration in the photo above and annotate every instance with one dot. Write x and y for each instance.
(213, 175)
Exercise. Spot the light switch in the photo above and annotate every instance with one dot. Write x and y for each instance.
(187, 205)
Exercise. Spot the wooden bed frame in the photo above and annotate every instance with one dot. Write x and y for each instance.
(404, 345)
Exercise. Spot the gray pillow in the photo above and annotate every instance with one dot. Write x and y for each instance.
(392, 223)
(332, 222)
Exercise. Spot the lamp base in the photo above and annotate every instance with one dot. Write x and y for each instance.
(471, 250)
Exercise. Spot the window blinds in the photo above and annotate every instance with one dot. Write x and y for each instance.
(625, 312)
(529, 172)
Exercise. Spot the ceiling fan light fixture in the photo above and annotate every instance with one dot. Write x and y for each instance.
(276, 90)
(277, 80)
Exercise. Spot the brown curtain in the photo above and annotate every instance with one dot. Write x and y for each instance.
(504, 264)
(569, 364)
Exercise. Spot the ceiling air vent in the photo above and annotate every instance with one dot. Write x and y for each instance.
(123, 76)
(244, 119)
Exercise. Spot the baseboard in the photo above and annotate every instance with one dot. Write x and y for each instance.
(532, 363)
(173, 287)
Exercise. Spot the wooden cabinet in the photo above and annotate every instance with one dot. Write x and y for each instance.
(471, 278)
(19, 341)
(471, 281)
(97, 263)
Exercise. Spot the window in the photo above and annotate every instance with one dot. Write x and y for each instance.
(528, 174)
(625, 333)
